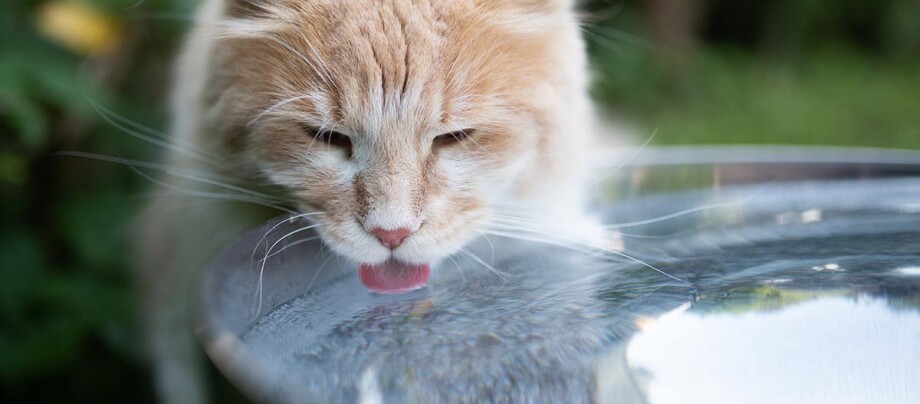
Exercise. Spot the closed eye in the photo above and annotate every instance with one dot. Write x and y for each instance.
(331, 137)
(454, 137)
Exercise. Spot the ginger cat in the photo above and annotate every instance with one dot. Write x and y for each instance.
(402, 129)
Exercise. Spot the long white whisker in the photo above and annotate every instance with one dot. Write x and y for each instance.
(148, 130)
(181, 173)
(292, 244)
(277, 105)
(136, 163)
(509, 221)
(604, 41)
(225, 185)
(304, 59)
(156, 141)
(318, 271)
(203, 194)
(625, 36)
(491, 246)
(523, 237)
(277, 225)
(459, 269)
(483, 263)
(628, 159)
(258, 309)
(325, 68)
(677, 214)
(607, 250)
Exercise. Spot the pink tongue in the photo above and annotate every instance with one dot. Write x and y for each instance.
(394, 277)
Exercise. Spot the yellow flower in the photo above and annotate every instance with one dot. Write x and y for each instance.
(77, 26)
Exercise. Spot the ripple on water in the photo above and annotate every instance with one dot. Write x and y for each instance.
(819, 310)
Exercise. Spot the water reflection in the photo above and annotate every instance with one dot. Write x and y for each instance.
(908, 271)
(820, 309)
(825, 349)
(777, 320)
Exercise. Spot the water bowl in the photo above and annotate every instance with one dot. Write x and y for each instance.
(743, 275)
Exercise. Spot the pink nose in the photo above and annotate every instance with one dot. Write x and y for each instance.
(391, 238)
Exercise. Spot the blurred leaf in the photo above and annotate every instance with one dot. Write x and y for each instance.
(41, 347)
(901, 31)
(26, 117)
(21, 272)
(27, 93)
(93, 225)
(86, 299)
(12, 168)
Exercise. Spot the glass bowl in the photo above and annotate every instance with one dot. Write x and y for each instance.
(742, 274)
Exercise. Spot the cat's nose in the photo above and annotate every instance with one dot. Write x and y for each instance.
(391, 238)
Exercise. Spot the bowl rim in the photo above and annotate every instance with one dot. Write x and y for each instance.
(228, 352)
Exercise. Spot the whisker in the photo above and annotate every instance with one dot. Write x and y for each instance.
(154, 140)
(258, 296)
(277, 225)
(459, 268)
(525, 220)
(632, 39)
(292, 244)
(628, 159)
(203, 194)
(607, 250)
(277, 105)
(511, 221)
(488, 240)
(254, 197)
(483, 263)
(505, 234)
(102, 109)
(604, 41)
(137, 163)
(677, 214)
(307, 61)
(318, 271)
(325, 68)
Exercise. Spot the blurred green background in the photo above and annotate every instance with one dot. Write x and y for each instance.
(836, 72)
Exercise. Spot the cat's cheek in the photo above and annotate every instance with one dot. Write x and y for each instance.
(445, 234)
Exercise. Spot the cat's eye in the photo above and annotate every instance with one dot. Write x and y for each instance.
(331, 137)
(454, 137)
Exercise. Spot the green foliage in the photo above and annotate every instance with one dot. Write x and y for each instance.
(760, 299)
(833, 97)
(66, 302)
(28, 92)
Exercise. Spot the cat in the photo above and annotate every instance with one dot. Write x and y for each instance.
(400, 130)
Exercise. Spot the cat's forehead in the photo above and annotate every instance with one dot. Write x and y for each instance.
(397, 63)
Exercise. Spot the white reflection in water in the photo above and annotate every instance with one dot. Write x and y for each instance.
(828, 267)
(807, 216)
(908, 271)
(832, 349)
(910, 208)
(811, 215)
(777, 281)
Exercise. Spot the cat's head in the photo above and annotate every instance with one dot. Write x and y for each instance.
(408, 121)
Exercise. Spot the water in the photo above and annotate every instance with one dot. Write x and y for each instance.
(801, 292)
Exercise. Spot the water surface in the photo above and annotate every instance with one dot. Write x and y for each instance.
(807, 292)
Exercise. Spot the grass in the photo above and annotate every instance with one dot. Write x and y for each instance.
(832, 98)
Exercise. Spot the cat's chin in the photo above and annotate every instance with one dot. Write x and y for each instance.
(394, 277)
